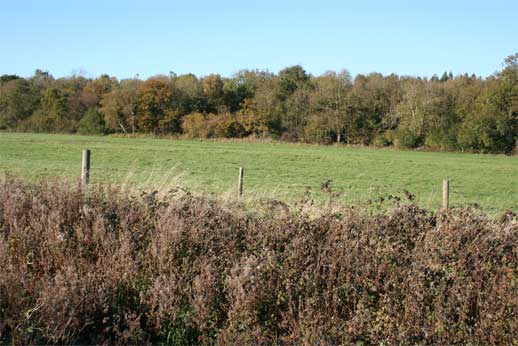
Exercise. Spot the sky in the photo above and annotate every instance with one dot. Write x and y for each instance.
(126, 38)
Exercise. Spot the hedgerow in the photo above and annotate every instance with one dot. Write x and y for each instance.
(104, 266)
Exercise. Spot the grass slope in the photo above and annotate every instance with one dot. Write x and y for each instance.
(275, 170)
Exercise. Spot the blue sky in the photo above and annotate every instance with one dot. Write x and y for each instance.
(125, 38)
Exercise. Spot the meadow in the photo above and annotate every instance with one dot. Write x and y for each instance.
(272, 170)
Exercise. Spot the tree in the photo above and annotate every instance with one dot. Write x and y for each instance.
(290, 79)
(17, 102)
(330, 104)
(119, 107)
(42, 79)
(212, 88)
(97, 88)
(493, 126)
(441, 123)
(196, 125)
(296, 115)
(92, 123)
(189, 92)
(51, 116)
(410, 114)
(373, 99)
(268, 105)
(8, 77)
(77, 101)
(253, 121)
(465, 111)
(155, 108)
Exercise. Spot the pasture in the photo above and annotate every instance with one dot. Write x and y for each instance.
(272, 170)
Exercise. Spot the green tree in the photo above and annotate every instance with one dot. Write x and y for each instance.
(119, 107)
(8, 77)
(92, 123)
(297, 113)
(331, 108)
(290, 79)
(189, 94)
(373, 101)
(51, 116)
(17, 102)
(411, 114)
(493, 126)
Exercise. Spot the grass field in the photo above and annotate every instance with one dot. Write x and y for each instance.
(273, 170)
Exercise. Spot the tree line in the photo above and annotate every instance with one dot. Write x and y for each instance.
(462, 112)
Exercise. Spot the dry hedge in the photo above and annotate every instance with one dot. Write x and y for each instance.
(102, 266)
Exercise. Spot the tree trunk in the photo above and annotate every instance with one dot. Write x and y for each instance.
(122, 127)
(338, 138)
(133, 120)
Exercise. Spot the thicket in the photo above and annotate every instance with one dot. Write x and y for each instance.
(448, 113)
(103, 266)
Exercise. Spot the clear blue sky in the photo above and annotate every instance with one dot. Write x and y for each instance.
(148, 37)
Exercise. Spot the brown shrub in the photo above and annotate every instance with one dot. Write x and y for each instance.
(101, 266)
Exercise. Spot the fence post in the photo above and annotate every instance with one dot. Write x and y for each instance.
(240, 182)
(85, 167)
(445, 193)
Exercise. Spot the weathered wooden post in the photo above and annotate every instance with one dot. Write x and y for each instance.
(240, 182)
(445, 193)
(85, 167)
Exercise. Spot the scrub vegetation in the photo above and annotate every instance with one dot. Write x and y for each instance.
(106, 267)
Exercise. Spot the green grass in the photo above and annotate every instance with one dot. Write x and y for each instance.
(271, 169)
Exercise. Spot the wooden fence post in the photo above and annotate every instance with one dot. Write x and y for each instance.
(240, 182)
(445, 193)
(85, 167)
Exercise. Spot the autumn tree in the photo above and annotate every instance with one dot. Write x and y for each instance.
(155, 108)
(448, 112)
(212, 91)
